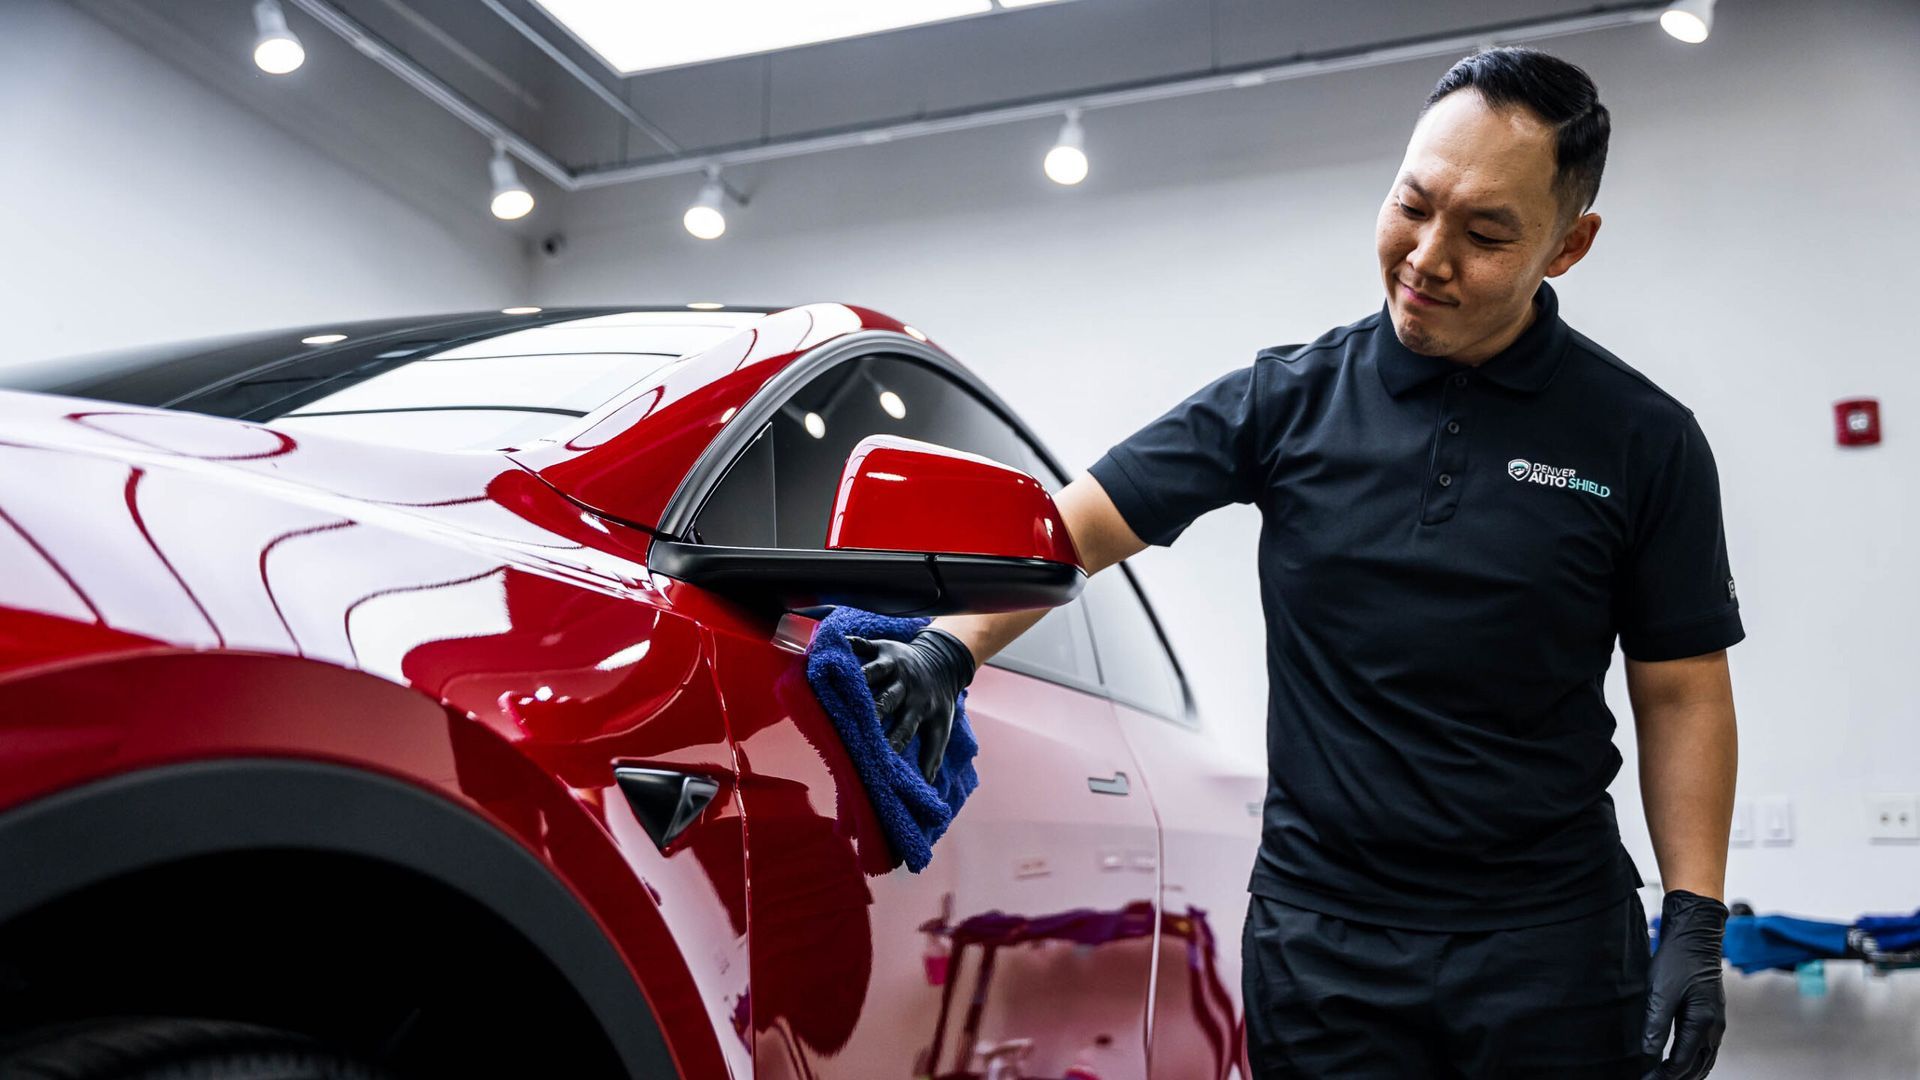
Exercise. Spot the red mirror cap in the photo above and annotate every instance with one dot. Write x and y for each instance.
(900, 494)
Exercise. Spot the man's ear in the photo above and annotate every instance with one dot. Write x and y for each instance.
(1575, 244)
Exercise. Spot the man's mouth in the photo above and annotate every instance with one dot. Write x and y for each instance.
(1414, 296)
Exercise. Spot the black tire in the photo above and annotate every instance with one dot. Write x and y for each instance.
(176, 1049)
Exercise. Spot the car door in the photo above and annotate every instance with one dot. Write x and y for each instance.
(1208, 796)
(1026, 945)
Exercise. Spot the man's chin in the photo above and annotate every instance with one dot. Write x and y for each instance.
(1416, 336)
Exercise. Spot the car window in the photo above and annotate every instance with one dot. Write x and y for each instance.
(1134, 662)
(779, 492)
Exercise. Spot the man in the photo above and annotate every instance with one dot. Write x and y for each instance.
(1464, 502)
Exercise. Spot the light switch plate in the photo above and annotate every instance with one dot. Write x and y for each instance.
(1776, 822)
(1741, 833)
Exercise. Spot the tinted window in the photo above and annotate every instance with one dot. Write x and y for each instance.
(1134, 664)
(780, 492)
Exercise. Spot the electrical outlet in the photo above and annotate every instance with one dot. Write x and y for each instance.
(1893, 819)
(1741, 834)
(1776, 822)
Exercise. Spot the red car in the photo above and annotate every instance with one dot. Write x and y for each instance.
(427, 697)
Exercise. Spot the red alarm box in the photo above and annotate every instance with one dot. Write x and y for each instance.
(1856, 421)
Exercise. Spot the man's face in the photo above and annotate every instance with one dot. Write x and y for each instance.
(1471, 226)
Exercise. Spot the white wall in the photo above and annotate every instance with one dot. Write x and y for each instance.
(1757, 260)
(140, 205)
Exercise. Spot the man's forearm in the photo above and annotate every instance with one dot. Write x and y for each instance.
(985, 635)
(1689, 751)
(1099, 534)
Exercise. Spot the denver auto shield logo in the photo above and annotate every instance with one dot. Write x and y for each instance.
(1533, 472)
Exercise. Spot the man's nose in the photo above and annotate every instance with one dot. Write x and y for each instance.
(1429, 255)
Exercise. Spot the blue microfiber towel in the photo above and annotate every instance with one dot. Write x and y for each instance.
(1893, 933)
(1758, 942)
(913, 812)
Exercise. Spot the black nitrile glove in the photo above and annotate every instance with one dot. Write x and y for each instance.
(918, 682)
(1683, 988)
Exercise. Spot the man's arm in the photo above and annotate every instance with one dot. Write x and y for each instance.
(1683, 714)
(918, 681)
(1683, 711)
(1100, 534)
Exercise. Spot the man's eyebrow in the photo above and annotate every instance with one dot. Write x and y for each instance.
(1499, 215)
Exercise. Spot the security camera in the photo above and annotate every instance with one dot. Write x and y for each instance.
(552, 245)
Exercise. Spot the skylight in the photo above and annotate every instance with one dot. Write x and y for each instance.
(646, 35)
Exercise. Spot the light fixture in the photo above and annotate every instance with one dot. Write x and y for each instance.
(323, 339)
(816, 426)
(1689, 20)
(275, 50)
(1066, 163)
(703, 219)
(511, 199)
(891, 402)
(706, 305)
(523, 309)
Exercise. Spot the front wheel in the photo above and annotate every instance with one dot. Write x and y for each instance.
(175, 1049)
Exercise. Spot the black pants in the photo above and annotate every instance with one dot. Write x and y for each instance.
(1330, 998)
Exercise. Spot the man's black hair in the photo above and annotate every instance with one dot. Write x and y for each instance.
(1557, 92)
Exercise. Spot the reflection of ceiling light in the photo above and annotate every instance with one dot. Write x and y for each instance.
(703, 219)
(275, 50)
(1689, 20)
(520, 311)
(323, 339)
(634, 37)
(891, 402)
(706, 305)
(914, 334)
(816, 427)
(511, 199)
(1066, 163)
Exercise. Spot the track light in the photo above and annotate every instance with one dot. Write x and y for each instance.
(1689, 20)
(275, 49)
(511, 199)
(1066, 163)
(704, 219)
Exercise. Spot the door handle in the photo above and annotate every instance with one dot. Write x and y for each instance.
(1108, 785)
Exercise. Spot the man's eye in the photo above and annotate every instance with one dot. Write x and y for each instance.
(1479, 239)
(1410, 211)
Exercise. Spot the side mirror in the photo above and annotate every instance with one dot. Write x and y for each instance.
(917, 529)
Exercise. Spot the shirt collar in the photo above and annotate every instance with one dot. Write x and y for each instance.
(1527, 365)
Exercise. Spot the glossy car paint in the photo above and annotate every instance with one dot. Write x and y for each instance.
(451, 620)
(904, 495)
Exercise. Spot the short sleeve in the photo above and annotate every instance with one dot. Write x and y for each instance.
(1197, 456)
(1677, 597)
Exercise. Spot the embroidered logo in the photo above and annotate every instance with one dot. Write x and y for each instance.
(1533, 472)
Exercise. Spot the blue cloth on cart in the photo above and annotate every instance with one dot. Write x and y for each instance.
(1893, 933)
(913, 813)
(1758, 942)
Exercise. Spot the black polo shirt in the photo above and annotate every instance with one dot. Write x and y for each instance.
(1446, 555)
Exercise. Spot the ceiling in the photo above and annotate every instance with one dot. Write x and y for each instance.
(347, 104)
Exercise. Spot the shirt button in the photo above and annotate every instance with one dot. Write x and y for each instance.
(1459, 380)
(1453, 427)
(1445, 480)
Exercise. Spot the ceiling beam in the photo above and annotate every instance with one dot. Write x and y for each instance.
(680, 162)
